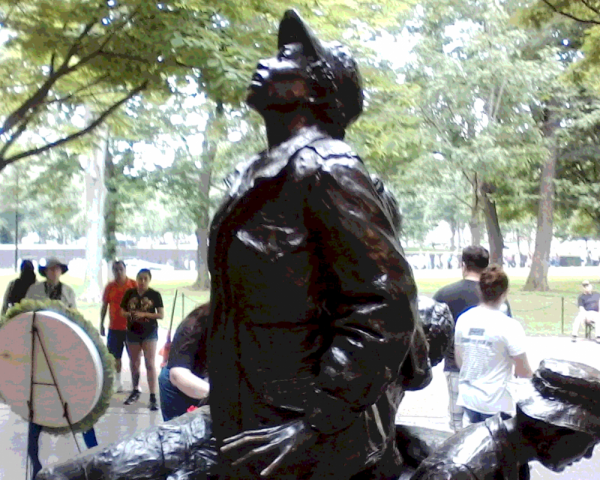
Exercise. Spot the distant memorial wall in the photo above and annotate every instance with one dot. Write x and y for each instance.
(179, 258)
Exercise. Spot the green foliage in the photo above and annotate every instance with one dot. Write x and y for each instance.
(578, 25)
(47, 193)
(482, 82)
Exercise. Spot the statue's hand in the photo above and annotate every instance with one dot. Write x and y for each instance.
(283, 440)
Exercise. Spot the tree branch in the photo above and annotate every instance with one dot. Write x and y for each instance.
(76, 44)
(500, 93)
(568, 15)
(42, 92)
(79, 90)
(52, 59)
(18, 132)
(593, 9)
(471, 182)
(74, 136)
(461, 200)
(103, 44)
(135, 58)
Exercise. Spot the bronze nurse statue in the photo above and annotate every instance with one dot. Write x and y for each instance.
(314, 303)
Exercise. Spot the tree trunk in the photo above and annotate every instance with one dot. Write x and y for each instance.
(538, 275)
(492, 224)
(475, 226)
(475, 220)
(202, 279)
(95, 193)
(110, 210)
(202, 224)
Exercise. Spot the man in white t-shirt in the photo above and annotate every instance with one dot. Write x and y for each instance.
(488, 344)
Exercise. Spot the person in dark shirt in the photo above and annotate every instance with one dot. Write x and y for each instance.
(461, 296)
(17, 289)
(142, 306)
(588, 312)
(183, 382)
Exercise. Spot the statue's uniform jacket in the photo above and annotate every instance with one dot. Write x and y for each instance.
(314, 303)
(481, 451)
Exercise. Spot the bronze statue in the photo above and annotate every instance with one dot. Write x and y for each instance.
(557, 423)
(314, 303)
(183, 448)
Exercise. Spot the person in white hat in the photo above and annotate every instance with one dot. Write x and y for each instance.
(52, 288)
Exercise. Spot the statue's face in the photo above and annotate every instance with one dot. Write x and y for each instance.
(560, 447)
(280, 83)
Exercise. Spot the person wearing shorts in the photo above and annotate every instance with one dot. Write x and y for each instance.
(117, 328)
(143, 307)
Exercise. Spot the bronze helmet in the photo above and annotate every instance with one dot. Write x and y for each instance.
(333, 59)
(565, 394)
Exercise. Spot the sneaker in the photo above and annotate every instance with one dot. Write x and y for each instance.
(574, 338)
(133, 397)
(119, 388)
(153, 406)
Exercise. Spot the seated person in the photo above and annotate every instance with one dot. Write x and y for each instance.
(183, 382)
(588, 309)
(556, 424)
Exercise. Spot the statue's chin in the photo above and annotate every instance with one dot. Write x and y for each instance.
(254, 101)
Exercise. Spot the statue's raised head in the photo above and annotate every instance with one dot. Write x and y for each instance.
(308, 73)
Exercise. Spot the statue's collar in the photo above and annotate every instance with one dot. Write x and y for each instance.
(269, 163)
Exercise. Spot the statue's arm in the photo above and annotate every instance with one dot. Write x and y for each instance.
(371, 308)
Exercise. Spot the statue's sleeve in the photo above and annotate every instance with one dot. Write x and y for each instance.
(179, 449)
(444, 471)
(370, 309)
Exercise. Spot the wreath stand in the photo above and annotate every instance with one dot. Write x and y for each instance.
(35, 334)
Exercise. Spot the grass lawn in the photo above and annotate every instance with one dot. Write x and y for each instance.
(541, 313)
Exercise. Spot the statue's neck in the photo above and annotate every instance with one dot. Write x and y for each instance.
(283, 126)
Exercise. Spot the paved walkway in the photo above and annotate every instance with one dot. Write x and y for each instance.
(426, 408)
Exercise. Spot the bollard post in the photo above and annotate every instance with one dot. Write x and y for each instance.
(562, 315)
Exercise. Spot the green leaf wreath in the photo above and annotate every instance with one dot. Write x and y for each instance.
(107, 359)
